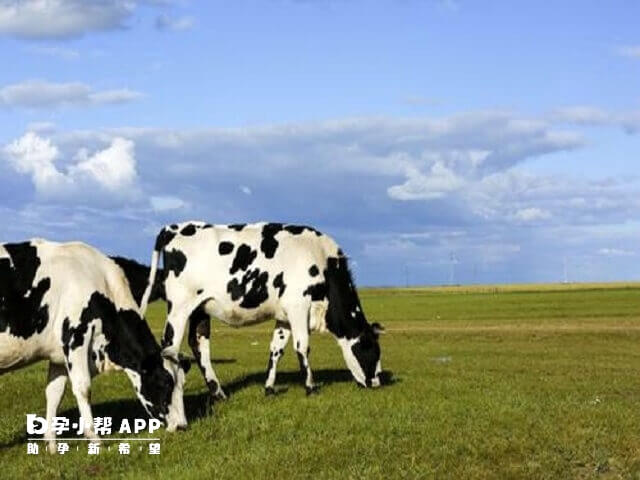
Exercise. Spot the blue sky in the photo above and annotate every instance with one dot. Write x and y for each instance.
(479, 141)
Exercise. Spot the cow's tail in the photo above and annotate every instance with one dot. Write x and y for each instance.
(155, 258)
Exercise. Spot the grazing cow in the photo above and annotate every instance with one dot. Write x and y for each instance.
(245, 274)
(71, 305)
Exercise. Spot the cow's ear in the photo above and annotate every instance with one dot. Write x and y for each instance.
(377, 329)
(185, 363)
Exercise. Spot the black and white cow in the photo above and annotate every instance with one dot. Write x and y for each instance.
(248, 273)
(71, 305)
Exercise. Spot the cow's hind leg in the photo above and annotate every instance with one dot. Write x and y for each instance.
(281, 335)
(56, 383)
(299, 321)
(199, 333)
(80, 377)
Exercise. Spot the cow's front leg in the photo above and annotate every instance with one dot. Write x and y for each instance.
(56, 383)
(281, 335)
(199, 333)
(300, 331)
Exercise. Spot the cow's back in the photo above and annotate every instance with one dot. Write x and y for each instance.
(252, 271)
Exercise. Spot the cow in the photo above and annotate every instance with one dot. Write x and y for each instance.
(71, 305)
(244, 274)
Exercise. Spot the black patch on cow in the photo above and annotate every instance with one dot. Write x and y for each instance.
(313, 270)
(225, 248)
(207, 225)
(199, 291)
(189, 230)
(174, 261)
(173, 226)
(252, 288)
(164, 238)
(169, 306)
(138, 277)
(22, 313)
(278, 282)
(298, 229)
(167, 337)
(238, 227)
(258, 293)
(294, 229)
(25, 264)
(343, 300)
(235, 289)
(317, 291)
(244, 257)
(269, 244)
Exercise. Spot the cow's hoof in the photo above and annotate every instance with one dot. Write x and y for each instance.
(181, 428)
(269, 391)
(312, 389)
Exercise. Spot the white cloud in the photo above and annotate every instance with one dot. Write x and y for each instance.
(166, 22)
(466, 168)
(437, 183)
(532, 214)
(112, 170)
(35, 156)
(42, 94)
(165, 203)
(62, 18)
(246, 190)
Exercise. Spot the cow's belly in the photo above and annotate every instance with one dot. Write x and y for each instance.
(17, 352)
(235, 316)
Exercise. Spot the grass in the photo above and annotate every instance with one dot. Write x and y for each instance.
(491, 382)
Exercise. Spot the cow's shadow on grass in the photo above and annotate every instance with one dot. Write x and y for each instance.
(198, 405)
(323, 378)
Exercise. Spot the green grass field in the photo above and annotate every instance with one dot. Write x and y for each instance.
(490, 382)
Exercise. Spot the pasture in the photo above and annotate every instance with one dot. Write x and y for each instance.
(487, 382)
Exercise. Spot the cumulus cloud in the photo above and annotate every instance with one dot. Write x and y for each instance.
(421, 188)
(111, 170)
(42, 94)
(469, 165)
(62, 18)
(436, 183)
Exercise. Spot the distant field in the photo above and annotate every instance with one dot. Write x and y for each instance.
(535, 381)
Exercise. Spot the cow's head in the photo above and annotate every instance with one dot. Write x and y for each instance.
(362, 355)
(161, 378)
